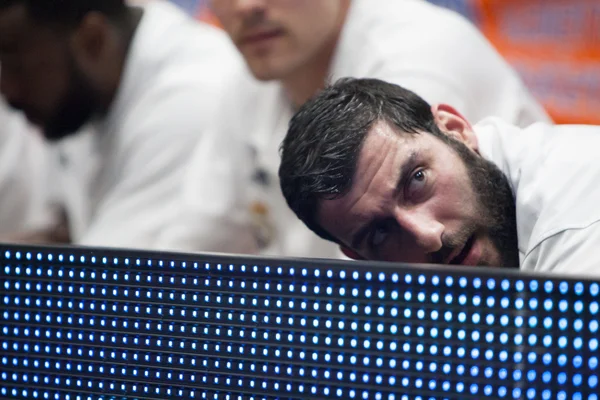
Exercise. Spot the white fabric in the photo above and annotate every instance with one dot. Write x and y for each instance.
(428, 49)
(120, 180)
(24, 173)
(555, 173)
(436, 53)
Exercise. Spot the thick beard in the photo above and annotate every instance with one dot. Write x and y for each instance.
(496, 203)
(75, 110)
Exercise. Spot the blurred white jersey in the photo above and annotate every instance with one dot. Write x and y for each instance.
(425, 48)
(25, 190)
(554, 172)
(120, 179)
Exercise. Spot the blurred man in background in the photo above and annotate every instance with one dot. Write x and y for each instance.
(373, 167)
(124, 93)
(292, 47)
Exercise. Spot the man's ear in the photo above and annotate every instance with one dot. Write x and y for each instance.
(351, 253)
(91, 38)
(453, 124)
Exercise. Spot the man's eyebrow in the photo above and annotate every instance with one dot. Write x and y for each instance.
(405, 170)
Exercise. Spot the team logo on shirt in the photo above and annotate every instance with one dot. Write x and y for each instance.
(261, 219)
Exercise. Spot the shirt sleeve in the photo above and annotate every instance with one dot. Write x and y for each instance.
(211, 214)
(570, 252)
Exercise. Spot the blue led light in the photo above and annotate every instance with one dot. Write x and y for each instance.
(563, 324)
(562, 342)
(563, 287)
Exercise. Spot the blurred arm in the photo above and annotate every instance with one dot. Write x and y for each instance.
(211, 213)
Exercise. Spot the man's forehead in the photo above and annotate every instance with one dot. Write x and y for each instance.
(333, 215)
(383, 140)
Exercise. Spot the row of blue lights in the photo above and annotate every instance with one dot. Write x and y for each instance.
(533, 285)
(404, 327)
(228, 382)
(405, 366)
(343, 359)
(206, 394)
(351, 361)
(434, 298)
(301, 356)
(310, 306)
(145, 389)
(137, 389)
(253, 334)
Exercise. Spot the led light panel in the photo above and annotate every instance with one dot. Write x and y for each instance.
(95, 323)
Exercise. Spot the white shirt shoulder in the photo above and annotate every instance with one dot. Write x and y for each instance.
(168, 97)
(554, 172)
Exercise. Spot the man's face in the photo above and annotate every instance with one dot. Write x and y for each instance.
(277, 37)
(39, 76)
(418, 199)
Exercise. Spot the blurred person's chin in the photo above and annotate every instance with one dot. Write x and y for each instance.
(63, 127)
(74, 111)
(268, 67)
(272, 63)
(66, 121)
(63, 124)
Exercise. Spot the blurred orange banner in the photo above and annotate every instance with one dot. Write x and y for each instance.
(555, 46)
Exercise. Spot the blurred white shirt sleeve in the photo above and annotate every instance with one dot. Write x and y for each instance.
(570, 252)
(211, 214)
(25, 174)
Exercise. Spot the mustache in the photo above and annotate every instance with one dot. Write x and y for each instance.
(450, 243)
(256, 21)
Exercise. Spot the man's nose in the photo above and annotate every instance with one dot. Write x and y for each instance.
(422, 228)
(249, 6)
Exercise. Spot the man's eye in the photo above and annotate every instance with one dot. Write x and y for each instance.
(379, 235)
(416, 183)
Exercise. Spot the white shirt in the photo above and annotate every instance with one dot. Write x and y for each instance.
(24, 189)
(428, 49)
(554, 172)
(120, 180)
